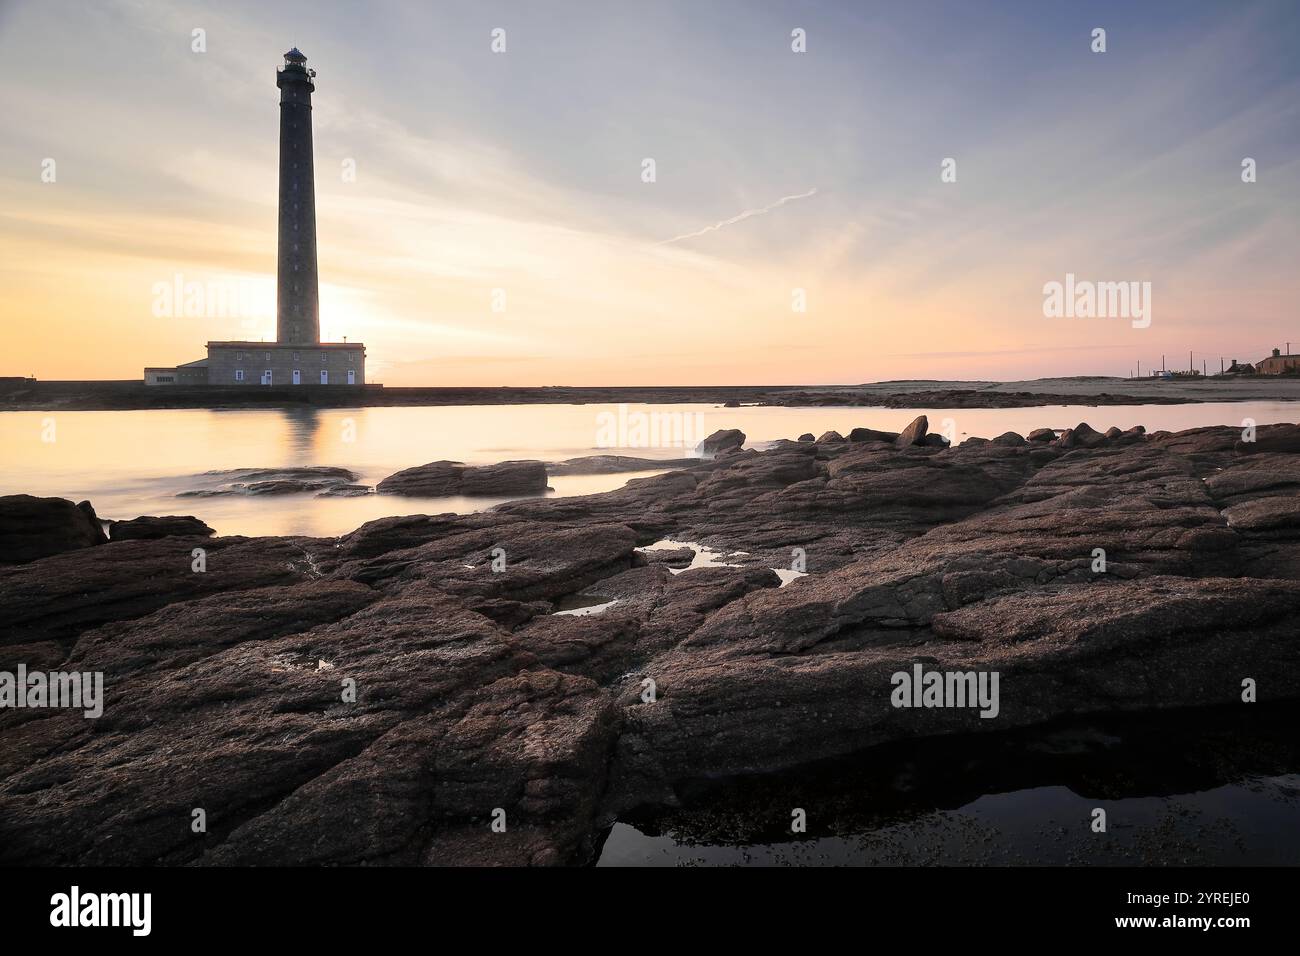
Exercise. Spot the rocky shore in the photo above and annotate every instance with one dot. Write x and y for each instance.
(387, 696)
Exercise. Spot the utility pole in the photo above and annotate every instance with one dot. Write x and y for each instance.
(1139, 368)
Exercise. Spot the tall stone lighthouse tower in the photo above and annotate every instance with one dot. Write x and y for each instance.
(297, 311)
(297, 358)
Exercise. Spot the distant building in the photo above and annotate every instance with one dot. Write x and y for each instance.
(1239, 368)
(298, 356)
(1277, 363)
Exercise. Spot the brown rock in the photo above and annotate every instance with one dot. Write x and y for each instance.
(914, 434)
(871, 434)
(165, 526)
(444, 478)
(33, 528)
(721, 442)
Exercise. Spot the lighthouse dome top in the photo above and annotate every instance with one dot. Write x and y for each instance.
(295, 56)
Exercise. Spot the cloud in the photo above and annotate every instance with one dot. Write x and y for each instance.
(748, 213)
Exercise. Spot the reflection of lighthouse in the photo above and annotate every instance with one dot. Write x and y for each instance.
(297, 287)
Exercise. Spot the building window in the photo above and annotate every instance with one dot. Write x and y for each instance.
(324, 357)
(295, 354)
(239, 375)
(352, 357)
(324, 377)
(268, 356)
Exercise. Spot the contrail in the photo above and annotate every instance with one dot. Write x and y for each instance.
(737, 218)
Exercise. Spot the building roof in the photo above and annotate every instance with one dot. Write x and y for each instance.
(197, 363)
(300, 347)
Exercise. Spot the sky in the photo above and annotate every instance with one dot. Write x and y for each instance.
(484, 217)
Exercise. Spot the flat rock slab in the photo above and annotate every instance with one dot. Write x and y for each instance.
(150, 526)
(444, 478)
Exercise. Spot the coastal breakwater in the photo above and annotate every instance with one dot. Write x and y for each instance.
(34, 395)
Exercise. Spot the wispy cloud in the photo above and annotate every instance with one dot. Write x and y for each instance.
(740, 217)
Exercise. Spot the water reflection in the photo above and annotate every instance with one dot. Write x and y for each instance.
(1195, 786)
(302, 428)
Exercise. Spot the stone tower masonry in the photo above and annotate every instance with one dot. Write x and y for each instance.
(297, 291)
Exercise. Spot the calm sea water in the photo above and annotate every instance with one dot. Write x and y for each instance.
(131, 463)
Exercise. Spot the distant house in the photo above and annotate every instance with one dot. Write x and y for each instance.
(1277, 363)
(1239, 368)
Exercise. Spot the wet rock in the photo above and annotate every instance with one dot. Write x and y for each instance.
(1265, 514)
(721, 442)
(831, 437)
(33, 528)
(913, 434)
(807, 436)
(505, 478)
(1009, 439)
(1081, 435)
(871, 434)
(149, 526)
(1271, 438)
(444, 478)
(670, 557)
(436, 479)
(346, 491)
(1042, 434)
(270, 481)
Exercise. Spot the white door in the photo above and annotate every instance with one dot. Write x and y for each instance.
(297, 376)
(266, 377)
(352, 376)
(324, 377)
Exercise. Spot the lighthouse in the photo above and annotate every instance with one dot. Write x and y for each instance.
(297, 293)
(297, 359)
